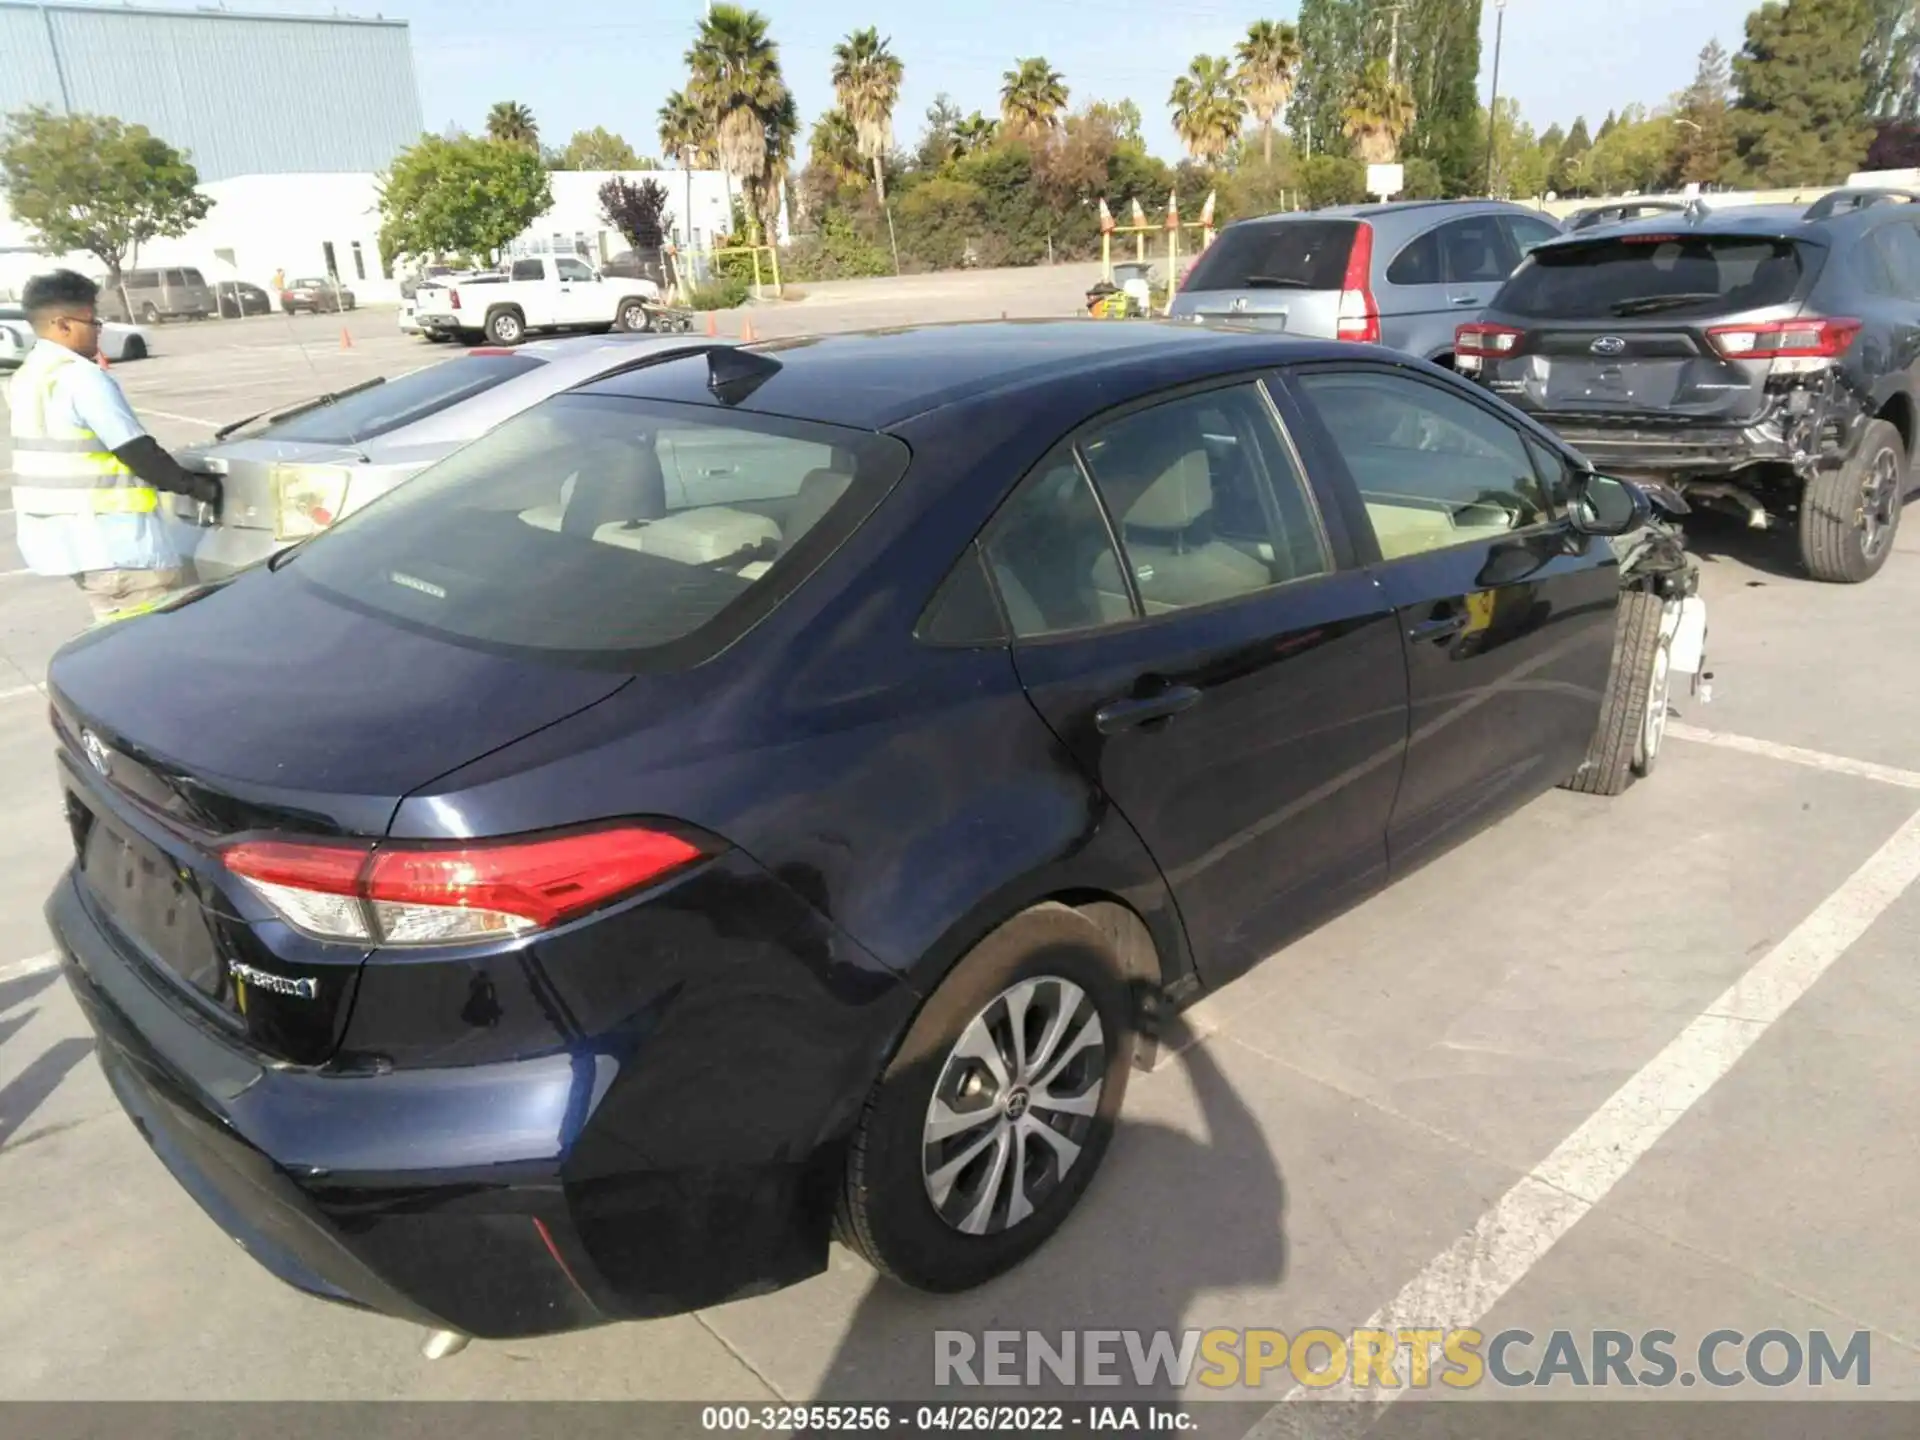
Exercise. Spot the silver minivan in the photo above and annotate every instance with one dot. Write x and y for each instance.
(177, 292)
(1403, 274)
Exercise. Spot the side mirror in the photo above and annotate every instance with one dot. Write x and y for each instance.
(1606, 505)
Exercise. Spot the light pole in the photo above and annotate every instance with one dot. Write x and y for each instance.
(1493, 103)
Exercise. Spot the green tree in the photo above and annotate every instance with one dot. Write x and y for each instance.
(1206, 108)
(461, 197)
(1333, 51)
(1033, 96)
(601, 149)
(1568, 176)
(736, 82)
(1893, 46)
(91, 183)
(686, 132)
(1703, 121)
(833, 150)
(975, 133)
(1519, 166)
(1606, 127)
(866, 80)
(1268, 56)
(939, 218)
(1332, 180)
(513, 123)
(1439, 58)
(1120, 116)
(1799, 119)
(1379, 112)
(937, 141)
(1634, 155)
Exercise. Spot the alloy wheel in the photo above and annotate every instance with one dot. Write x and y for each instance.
(1879, 498)
(1653, 725)
(1013, 1106)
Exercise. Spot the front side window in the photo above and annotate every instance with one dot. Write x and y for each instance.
(606, 531)
(1206, 499)
(1473, 251)
(1433, 469)
(570, 269)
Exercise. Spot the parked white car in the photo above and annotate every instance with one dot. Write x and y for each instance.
(117, 342)
(539, 293)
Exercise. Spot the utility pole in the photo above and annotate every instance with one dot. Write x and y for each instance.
(1393, 43)
(1493, 102)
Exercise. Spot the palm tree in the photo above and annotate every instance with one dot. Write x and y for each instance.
(685, 132)
(1379, 111)
(834, 150)
(866, 78)
(737, 84)
(511, 121)
(1268, 58)
(974, 133)
(1206, 107)
(780, 128)
(1031, 98)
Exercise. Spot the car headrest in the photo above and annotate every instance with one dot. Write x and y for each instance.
(1178, 498)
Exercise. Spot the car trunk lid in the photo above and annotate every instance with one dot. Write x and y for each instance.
(1281, 275)
(1631, 325)
(262, 706)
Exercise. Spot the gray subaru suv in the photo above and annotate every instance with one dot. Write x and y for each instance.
(1403, 274)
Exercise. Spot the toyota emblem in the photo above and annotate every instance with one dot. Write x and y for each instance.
(98, 755)
(1608, 345)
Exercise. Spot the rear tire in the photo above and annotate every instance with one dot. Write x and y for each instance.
(1849, 516)
(506, 327)
(632, 318)
(940, 1102)
(134, 349)
(1627, 740)
(149, 314)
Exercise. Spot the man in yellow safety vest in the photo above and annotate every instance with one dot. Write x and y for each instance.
(86, 475)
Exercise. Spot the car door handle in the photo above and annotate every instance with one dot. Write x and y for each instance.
(1445, 623)
(1468, 300)
(1118, 715)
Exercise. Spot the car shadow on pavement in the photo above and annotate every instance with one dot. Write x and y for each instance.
(1170, 1217)
(21, 1096)
(1713, 536)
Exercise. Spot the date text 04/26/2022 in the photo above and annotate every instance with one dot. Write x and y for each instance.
(946, 1418)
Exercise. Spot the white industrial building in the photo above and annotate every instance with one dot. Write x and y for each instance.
(292, 170)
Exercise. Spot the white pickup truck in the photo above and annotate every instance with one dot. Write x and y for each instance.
(557, 292)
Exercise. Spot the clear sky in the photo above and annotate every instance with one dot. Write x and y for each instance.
(578, 63)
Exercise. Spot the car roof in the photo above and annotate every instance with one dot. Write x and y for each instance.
(1786, 222)
(1390, 209)
(876, 379)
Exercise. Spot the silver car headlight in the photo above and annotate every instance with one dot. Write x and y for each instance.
(307, 499)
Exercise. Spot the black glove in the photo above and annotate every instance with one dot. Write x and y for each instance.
(146, 459)
(207, 489)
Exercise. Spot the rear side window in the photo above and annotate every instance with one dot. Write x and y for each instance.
(607, 531)
(1896, 248)
(1654, 274)
(1289, 254)
(1418, 264)
(368, 414)
(192, 277)
(528, 270)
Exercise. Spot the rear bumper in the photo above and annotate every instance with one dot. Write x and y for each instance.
(602, 1180)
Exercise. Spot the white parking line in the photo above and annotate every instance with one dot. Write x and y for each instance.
(9, 574)
(1461, 1284)
(20, 692)
(1794, 755)
(34, 965)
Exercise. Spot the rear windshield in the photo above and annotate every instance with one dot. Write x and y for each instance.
(1288, 254)
(370, 413)
(1653, 274)
(606, 530)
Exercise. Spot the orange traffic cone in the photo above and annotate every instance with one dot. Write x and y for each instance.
(746, 329)
(712, 327)
(346, 340)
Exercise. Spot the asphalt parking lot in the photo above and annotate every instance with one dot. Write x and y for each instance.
(1641, 1064)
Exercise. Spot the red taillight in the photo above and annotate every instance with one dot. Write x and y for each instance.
(1806, 339)
(1651, 239)
(437, 895)
(1359, 316)
(491, 350)
(453, 299)
(1490, 341)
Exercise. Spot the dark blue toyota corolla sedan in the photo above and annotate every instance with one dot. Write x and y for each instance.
(771, 794)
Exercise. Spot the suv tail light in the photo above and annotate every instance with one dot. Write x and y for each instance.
(453, 299)
(1811, 343)
(1359, 316)
(1474, 343)
(452, 894)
